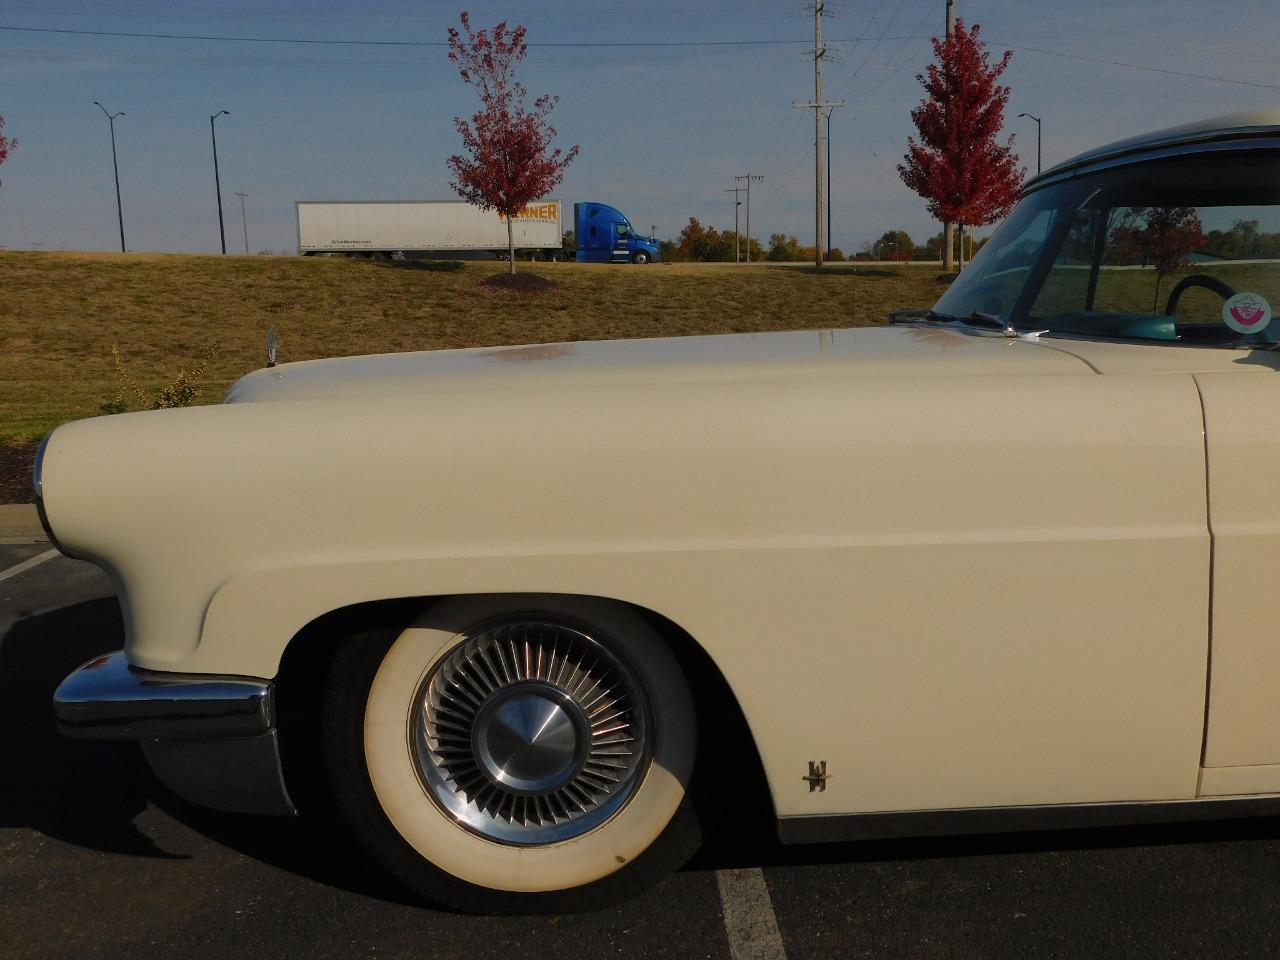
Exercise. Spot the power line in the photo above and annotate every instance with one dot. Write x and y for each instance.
(866, 80)
(1136, 66)
(875, 46)
(915, 55)
(586, 44)
(786, 177)
(847, 60)
(410, 43)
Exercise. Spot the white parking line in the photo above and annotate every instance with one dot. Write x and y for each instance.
(26, 565)
(749, 919)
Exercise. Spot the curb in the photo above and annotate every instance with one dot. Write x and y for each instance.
(19, 521)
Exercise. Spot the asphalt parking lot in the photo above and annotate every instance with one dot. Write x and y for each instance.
(97, 860)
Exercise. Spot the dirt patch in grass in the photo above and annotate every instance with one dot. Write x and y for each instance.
(16, 460)
(520, 282)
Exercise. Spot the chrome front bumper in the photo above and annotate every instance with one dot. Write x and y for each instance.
(212, 740)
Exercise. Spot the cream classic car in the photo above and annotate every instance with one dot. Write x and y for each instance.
(1005, 564)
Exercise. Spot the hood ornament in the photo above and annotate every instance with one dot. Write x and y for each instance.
(272, 343)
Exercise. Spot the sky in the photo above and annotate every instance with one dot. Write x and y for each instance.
(663, 130)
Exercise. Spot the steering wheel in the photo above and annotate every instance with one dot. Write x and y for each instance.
(1223, 290)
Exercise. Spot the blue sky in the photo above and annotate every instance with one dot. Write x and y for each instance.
(663, 130)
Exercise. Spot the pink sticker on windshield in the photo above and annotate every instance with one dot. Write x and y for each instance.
(1246, 313)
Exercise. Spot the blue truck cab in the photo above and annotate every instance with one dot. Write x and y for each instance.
(605, 236)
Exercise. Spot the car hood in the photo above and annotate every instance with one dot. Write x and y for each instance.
(880, 352)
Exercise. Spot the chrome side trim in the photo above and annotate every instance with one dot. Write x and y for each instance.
(972, 820)
(107, 699)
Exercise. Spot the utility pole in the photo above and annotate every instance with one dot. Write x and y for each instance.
(818, 106)
(829, 112)
(737, 257)
(111, 120)
(217, 182)
(949, 228)
(749, 177)
(244, 219)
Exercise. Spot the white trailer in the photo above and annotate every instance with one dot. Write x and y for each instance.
(382, 228)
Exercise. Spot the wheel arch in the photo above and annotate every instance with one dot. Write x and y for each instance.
(727, 746)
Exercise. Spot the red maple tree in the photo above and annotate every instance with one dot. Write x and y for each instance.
(7, 144)
(510, 160)
(957, 165)
(1168, 237)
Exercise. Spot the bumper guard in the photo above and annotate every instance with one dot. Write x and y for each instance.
(212, 740)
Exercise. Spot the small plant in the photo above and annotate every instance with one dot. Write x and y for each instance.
(181, 391)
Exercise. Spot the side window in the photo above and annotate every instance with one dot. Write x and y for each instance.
(622, 231)
(595, 231)
(1151, 250)
(1142, 254)
(1066, 288)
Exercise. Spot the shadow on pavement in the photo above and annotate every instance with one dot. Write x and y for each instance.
(89, 793)
(83, 793)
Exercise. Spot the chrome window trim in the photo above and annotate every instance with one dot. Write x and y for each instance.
(1234, 141)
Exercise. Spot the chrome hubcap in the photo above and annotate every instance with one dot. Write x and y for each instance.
(530, 739)
(530, 732)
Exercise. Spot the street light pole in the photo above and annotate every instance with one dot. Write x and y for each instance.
(111, 121)
(217, 182)
(1037, 120)
(244, 220)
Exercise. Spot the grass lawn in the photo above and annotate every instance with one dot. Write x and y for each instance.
(61, 313)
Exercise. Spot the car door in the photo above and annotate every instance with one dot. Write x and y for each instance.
(621, 241)
(1242, 410)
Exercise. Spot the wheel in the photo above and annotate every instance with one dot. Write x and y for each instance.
(516, 754)
(640, 257)
(535, 256)
(557, 256)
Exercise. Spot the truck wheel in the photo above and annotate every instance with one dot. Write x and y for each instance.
(535, 256)
(557, 256)
(640, 257)
(516, 754)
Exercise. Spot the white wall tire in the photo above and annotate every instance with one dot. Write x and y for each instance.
(372, 700)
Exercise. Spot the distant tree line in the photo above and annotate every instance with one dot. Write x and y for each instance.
(898, 245)
(1244, 241)
(702, 244)
(699, 244)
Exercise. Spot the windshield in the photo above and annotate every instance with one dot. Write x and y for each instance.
(1184, 250)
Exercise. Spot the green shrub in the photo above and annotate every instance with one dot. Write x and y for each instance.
(182, 391)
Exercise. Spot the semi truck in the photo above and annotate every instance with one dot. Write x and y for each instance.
(385, 228)
(604, 235)
(388, 228)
